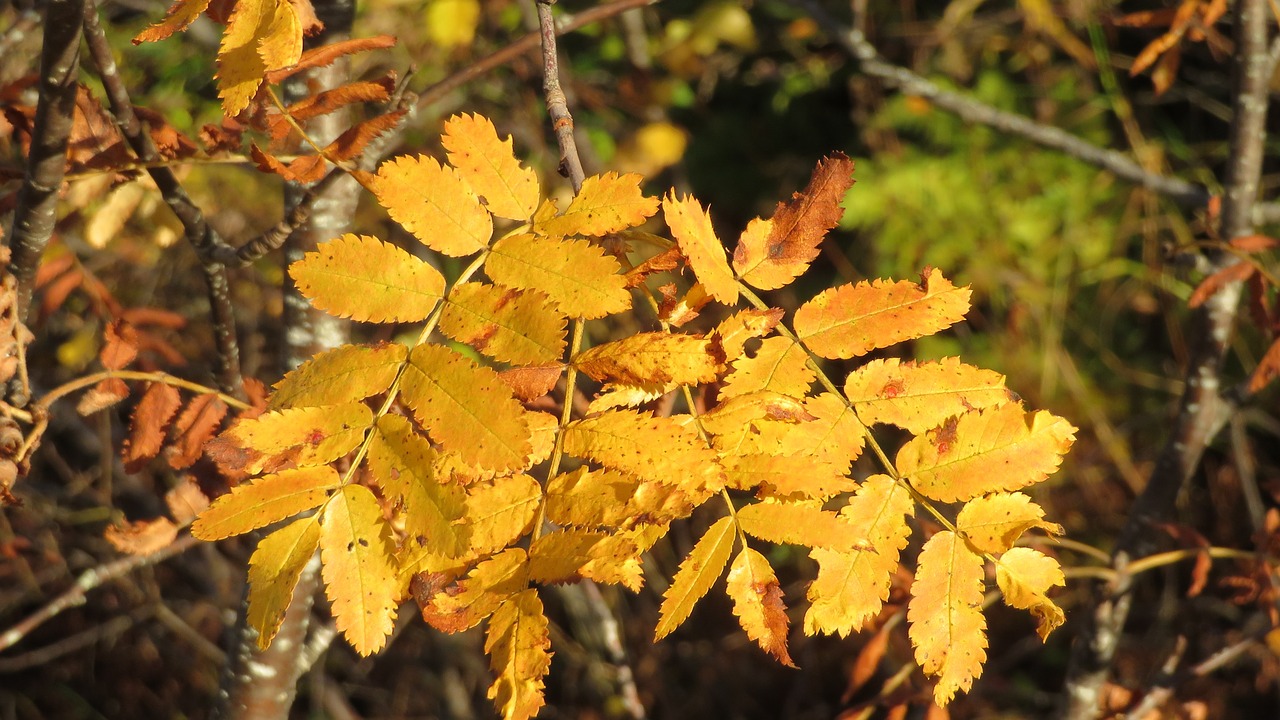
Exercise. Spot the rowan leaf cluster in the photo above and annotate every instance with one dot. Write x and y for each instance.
(433, 470)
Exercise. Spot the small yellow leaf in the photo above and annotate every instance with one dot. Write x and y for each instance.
(294, 437)
(466, 408)
(696, 575)
(780, 365)
(786, 476)
(691, 227)
(852, 586)
(365, 279)
(281, 46)
(577, 275)
(490, 167)
(452, 23)
(851, 320)
(993, 523)
(653, 358)
(799, 524)
(512, 326)
(469, 601)
(653, 448)
(435, 204)
(274, 569)
(919, 396)
(606, 204)
(947, 628)
(359, 573)
(341, 375)
(240, 66)
(267, 499)
(757, 601)
(985, 451)
(499, 512)
(1025, 576)
(400, 461)
(518, 643)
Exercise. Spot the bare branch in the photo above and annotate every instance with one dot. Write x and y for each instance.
(557, 104)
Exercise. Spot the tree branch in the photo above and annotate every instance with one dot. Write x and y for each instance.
(855, 43)
(36, 211)
(1203, 410)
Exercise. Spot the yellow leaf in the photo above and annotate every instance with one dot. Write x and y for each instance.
(359, 573)
(452, 23)
(578, 277)
(181, 14)
(606, 204)
(735, 414)
(267, 499)
(341, 375)
(786, 476)
(834, 435)
(400, 461)
(518, 643)
(609, 498)
(469, 601)
(919, 396)
(1025, 576)
(945, 613)
(691, 227)
(653, 358)
(615, 560)
(993, 523)
(274, 569)
(734, 331)
(653, 448)
(852, 320)
(799, 524)
(615, 395)
(757, 601)
(852, 586)
(985, 451)
(282, 44)
(435, 204)
(466, 408)
(780, 365)
(696, 575)
(294, 437)
(512, 326)
(240, 67)
(489, 165)
(772, 253)
(569, 554)
(365, 279)
(500, 512)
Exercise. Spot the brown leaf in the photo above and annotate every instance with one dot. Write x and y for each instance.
(103, 395)
(193, 428)
(146, 432)
(1254, 243)
(352, 142)
(120, 345)
(303, 169)
(1215, 282)
(1268, 368)
(531, 383)
(662, 262)
(143, 537)
(186, 500)
(325, 54)
(356, 92)
(153, 316)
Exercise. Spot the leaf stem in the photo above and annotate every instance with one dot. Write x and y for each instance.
(566, 412)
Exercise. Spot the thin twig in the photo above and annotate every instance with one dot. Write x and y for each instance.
(1163, 686)
(557, 104)
(89, 580)
(855, 43)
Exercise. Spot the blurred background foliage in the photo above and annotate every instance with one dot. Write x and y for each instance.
(1079, 294)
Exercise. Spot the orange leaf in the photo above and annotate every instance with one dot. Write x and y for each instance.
(356, 138)
(304, 169)
(464, 604)
(918, 396)
(1210, 286)
(185, 500)
(324, 54)
(143, 537)
(852, 320)
(1268, 368)
(772, 253)
(181, 14)
(193, 428)
(150, 418)
(945, 613)
(531, 383)
(757, 601)
(292, 438)
(106, 393)
(985, 451)
(119, 345)
(323, 103)
(606, 204)
(691, 227)
(435, 204)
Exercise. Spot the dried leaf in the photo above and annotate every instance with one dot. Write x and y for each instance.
(322, 55)
(193, 428)
(119, 345)
(143, 537)
(531, 383)
(1212, 285)
(147, 429)
(757, 601)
